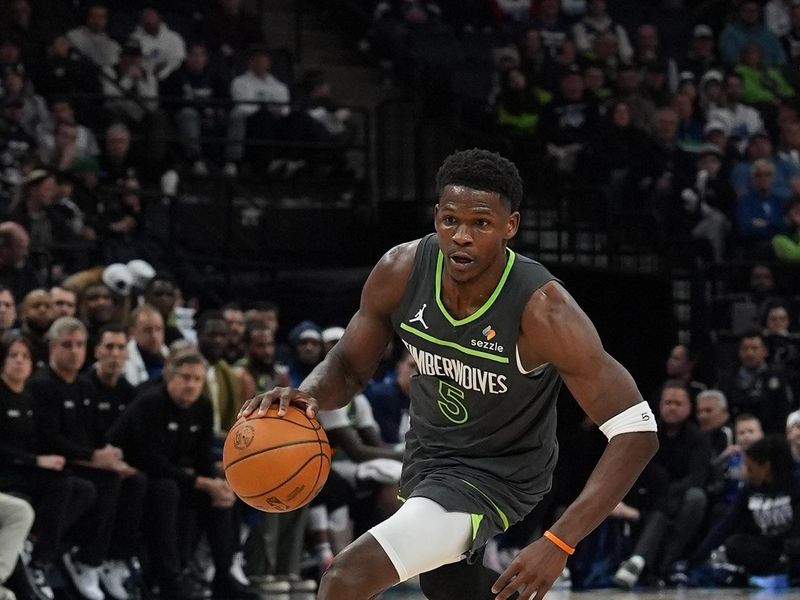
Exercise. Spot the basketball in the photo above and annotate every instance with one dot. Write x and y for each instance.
(277, 464)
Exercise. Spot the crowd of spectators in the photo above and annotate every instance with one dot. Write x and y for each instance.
(116, 391)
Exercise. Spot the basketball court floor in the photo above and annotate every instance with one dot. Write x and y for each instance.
(409, 592)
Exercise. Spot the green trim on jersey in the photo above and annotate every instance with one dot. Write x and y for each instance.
(399, 497)
(486, 305)
(476, 523)
(453, 345)
(500, 513)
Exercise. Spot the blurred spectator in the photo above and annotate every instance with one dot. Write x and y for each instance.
(736, 35)
(61, 111)
(132, 97)
(234, 317)
(763, 523)
(25, 30)
(711, 409)
(252, 116)
(161, 293)
(163, 50)
(36, 317)
(597, 21)
(64, 70)
(258, 370)
(222, 387)
(756, 388)
(701, 56)
(15, 271)
(34, 110)
(168, 434)
(8, 311)
(791, 38)
(10, 58)
(708, 206)
(95, 307)
(604, 53)
(648, 53)
(785, 175)
(230, 30)
(656, 84)
(680, 366)
(119, 161)
(567, 122)
(91, 39)
(761, 84)
(759, 214)
(532, 54)
(548, 21)
(777, 16)
(186, 92)
(685, 453)
(146, 349)
(35, 211)
(17, 148)
(740, 120)
(518, 110)
(390, 401)
(786, 244)
(121, 226)
(789, 149)
(793, 437)
(642, 110)
(306, 341)
(690, 126)
(65, 301)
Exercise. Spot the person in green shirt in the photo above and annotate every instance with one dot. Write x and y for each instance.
(760, 83)
(787, 243)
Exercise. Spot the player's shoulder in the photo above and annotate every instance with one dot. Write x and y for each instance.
(550, 303)
(399, 259)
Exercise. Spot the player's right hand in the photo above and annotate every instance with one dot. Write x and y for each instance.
(284, 396)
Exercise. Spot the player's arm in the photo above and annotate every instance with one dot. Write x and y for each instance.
(555, 330)
(348, 367)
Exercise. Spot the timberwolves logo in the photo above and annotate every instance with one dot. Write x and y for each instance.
(244, 437)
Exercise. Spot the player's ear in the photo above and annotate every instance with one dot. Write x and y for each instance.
(512, 226)
(435, 212)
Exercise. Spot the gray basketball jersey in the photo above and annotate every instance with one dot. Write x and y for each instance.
(482, 437)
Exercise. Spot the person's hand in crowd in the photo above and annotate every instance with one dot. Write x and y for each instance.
(52, 462)
(106, 458)
(220, 493)
(760, 223)
(124, 225)
(730, 451)
(625, 512)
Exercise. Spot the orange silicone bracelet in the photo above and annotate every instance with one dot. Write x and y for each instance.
(559, 542)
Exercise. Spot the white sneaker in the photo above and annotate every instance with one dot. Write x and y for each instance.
(237, 569)
(230, 170)
(85, 578)
(37, 580)
(113, 575)
(628, 573)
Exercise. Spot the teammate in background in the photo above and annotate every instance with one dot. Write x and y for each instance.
(493, 335)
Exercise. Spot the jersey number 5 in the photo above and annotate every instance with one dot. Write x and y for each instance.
(450, 403)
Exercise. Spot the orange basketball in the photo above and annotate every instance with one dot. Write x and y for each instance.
(277, 464)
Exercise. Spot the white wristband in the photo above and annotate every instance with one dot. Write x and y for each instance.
(636, 418)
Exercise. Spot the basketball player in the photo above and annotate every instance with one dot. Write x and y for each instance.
(493, 335)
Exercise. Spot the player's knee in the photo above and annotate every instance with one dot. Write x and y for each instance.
(338, 583)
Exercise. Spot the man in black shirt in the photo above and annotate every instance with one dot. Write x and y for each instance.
(64, 402)
(168, 433)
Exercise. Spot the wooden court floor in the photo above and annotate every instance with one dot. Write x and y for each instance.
(408, 592)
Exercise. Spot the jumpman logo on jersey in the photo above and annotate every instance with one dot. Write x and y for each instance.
(419, 317)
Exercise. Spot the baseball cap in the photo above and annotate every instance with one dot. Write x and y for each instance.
(711, 75)
(305, 330)
(702, 31)
(332, 334)
(714, 125)
(707, 149)
(118, 278)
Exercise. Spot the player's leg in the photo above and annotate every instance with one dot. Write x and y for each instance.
(419, 537)
(460, 581)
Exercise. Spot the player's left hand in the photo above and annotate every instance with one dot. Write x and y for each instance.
(532, 571)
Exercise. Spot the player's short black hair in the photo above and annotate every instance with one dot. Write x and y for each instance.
(481, 170)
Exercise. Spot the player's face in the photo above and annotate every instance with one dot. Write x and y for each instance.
(112, 352)
(473, 228)
(186, 383)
